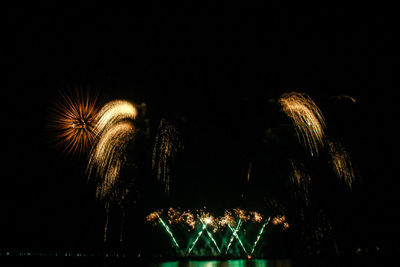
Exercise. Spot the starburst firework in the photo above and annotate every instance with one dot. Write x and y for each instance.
(73, 121)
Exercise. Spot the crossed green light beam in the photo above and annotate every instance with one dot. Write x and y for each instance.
(210, 236)
(259, 235)
(195, 241)
(234, 234)
(168, 231)
(204, 228)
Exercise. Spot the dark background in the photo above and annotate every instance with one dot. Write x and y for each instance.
(215, 70)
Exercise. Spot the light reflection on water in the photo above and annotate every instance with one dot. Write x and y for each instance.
(227, 263)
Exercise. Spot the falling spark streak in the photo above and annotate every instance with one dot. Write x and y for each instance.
(233, 234)
(168, 231)
(302, 181)
(210, 236)
(115, 130)
(341, 163)
(259, 235)
(73, 120)
(107, 156)
(166, 146)
(197, 238)
(107, 206)
(307, 118)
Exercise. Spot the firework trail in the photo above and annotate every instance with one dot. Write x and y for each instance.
(249, 171)
(166, 146)
(346, 97)
(341, 162)
(307, 118)
(115, 130)
(73, 120)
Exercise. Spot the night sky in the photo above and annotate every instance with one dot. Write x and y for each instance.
(216, 72)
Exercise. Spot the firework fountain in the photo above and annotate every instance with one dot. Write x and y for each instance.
(223, 235)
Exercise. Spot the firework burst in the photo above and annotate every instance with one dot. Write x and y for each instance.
(307, 118)
(73, 121)
(115, 130)
(166, 146)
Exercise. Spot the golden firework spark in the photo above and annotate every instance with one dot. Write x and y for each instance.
(174, 216)
(341, 162)
(285, 226)
(242, 214)
(153, 217)
(166, 145)
(115, 130)
(307, 118)
(228, 219)
(73, 120)
(279, 219)
(189, 219)
(256, 217)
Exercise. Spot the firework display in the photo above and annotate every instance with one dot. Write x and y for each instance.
(73, 120)
(221, 235)
(107, 132)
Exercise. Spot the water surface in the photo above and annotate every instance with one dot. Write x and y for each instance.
(225, 263)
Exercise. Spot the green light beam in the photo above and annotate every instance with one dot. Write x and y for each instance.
(211, 237)
(197, 238)
(233, 236)
(259, 235)
(238, 238)
(168, 231)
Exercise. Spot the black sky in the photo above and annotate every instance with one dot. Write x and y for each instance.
(217, 70)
